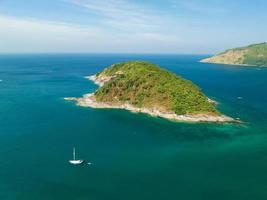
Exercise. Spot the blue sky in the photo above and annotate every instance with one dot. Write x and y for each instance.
(131, 26)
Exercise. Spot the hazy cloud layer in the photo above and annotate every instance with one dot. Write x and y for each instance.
(170, 26)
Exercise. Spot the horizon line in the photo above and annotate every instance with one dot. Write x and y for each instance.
(107, 53)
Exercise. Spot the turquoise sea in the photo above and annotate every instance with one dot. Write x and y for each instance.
(134, 156)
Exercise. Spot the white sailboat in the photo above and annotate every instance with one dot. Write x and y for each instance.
(74, 161)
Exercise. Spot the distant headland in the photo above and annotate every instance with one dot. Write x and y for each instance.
(144, 87)
(252, 55)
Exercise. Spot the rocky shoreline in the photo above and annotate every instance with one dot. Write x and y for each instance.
(208, 60)
(88, 100)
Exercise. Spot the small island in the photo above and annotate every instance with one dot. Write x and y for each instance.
(252, 55)
(143, 87)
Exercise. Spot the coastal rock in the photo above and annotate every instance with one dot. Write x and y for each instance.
(88, 100)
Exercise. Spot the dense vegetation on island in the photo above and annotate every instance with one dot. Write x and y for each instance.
(254, 55)
(146, 85)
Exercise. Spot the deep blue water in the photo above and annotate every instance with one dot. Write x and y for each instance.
(134, 156)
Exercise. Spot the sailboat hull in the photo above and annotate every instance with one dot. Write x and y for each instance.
(76, 162)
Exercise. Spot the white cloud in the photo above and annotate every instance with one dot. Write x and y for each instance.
(123, 15)
(35, 35)
(31, 35)
(197, 6)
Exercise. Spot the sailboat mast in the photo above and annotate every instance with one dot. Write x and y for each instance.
(74, 153)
